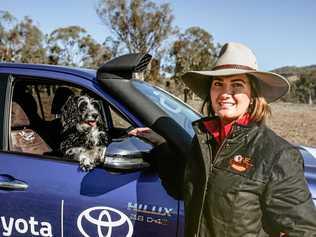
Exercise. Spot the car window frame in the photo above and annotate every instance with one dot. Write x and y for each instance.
(5, 99)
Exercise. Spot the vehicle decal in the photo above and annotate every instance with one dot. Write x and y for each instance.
(150, 209)
(150, 213)
(23, 226)
(102, 218)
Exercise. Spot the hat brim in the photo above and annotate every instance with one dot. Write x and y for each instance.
(272, 86)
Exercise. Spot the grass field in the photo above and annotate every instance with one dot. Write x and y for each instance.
(294, 122)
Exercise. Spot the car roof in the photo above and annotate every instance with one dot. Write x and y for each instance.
(89, 74)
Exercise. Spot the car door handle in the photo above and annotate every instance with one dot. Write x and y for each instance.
(8, 182)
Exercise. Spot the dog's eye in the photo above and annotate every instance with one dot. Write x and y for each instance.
(96, 105)
(82, 106)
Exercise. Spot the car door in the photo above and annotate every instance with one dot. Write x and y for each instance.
(45, 195)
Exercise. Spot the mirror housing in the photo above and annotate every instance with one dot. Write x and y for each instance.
(128, 153)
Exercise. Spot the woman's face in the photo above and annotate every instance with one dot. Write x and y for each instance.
(230, 97)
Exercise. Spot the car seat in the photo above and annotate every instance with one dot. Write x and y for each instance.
(23, 138)
(36, 123)
(28, 104)
(61, 96)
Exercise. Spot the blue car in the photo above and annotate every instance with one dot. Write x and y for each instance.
(44, 193)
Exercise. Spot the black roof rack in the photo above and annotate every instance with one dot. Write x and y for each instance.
(124, 66)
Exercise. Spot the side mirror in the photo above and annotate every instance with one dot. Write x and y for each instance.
(127, 154)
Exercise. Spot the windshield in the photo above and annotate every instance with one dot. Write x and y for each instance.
(174, 107)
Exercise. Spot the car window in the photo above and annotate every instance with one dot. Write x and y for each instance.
(119, 122)
(36, 110)
(176, 109)
(35, 116)
(35, 121)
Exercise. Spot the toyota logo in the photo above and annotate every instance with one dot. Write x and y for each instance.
(101, 217)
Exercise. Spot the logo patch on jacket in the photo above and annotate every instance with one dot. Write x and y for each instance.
(240, 163)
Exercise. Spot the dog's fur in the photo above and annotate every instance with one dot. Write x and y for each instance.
(84, 137)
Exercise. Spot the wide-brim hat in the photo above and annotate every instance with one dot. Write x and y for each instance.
(235, 59)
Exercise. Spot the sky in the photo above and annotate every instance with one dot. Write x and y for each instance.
(280, 32)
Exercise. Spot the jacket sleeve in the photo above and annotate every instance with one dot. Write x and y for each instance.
(170, 165)
(287, 202)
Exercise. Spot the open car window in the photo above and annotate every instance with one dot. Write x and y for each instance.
(35, 120)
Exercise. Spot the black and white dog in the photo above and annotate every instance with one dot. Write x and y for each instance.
(84, 137)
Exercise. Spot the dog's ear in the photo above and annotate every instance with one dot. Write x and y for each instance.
(70, 104)
(69, 115)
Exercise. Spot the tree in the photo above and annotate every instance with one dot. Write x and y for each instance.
(138, 26)
(28, 40)
(305, 88)
(72, 46)
(6, 19)
(194, 50)
(94, 53)
(64, 46)
(142, 26)
(20, 42)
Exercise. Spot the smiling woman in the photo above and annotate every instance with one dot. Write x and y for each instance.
(241, 179)
(252, 175)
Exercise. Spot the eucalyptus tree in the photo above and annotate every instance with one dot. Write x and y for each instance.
(20, 41)
(305, 88)
(28, 42)
(138, 26)
(64, 46)
(95, 54)
(193, 50)
(6, 52)
(73, 46)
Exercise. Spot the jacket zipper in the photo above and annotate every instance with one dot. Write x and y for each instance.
(217, 154)
(212, 162)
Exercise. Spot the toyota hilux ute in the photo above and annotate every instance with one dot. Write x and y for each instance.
(45, 194)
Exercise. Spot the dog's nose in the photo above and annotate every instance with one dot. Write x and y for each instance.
(95, 115)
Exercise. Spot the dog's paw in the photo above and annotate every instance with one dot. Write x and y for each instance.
(87, 164)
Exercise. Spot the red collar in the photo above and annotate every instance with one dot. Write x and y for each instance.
(220, 132)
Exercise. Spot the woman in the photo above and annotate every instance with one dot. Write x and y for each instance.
(241, 178)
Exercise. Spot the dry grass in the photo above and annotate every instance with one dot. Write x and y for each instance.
(294, 122)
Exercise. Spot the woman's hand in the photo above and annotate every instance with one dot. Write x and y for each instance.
(148, 134)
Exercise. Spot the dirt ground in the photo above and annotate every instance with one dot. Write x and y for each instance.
(294, 122)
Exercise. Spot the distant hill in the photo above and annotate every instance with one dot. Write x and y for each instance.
(303, 83)
(294, 71)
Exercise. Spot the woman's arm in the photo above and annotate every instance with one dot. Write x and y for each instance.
(147, 134)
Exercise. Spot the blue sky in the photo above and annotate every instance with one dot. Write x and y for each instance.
(280, 32)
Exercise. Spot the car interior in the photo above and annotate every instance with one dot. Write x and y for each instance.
(36, 117)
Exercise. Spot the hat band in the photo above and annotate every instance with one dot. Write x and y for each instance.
(232, 66)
